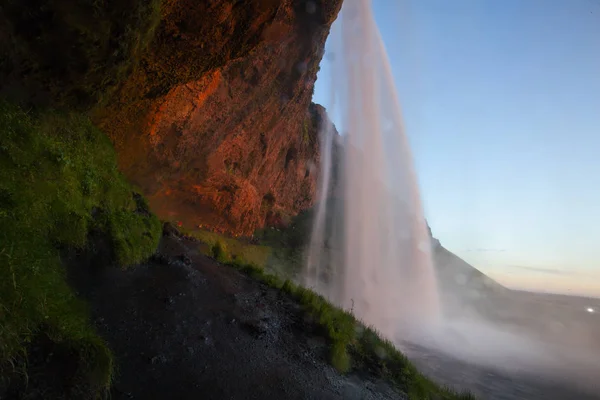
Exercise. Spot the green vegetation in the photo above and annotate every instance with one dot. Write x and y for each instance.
(232, 248)
(352, 345)
(306, 132)
(287, 245)
(219, 252)
(59, 182)
(280, 250)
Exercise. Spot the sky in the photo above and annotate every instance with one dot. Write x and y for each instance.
(501, 103)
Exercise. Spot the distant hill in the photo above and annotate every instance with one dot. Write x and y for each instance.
(463, 288)
(463, 273)
(456, 272)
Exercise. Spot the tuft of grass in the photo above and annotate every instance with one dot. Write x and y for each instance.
(339, 357)
(337, 325)
(219, 252)
(58, 182)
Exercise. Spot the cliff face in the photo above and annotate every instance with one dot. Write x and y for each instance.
(216, 125)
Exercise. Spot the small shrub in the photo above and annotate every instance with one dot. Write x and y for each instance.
(339, 357)
(219, 252)
(288, 287)
(305, 132)
(272, 281)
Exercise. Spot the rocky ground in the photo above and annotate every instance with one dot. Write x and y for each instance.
(184, 326)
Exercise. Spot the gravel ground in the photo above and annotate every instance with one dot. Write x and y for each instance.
(185, 327)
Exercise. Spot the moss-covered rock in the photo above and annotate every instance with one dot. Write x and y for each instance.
(58, 182)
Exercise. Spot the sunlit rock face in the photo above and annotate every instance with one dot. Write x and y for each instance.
(216, 126)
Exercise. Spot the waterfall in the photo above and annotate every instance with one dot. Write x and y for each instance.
(370, 250)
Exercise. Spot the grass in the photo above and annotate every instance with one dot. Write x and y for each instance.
(58, 182)
(279, 251)
(352, 345)
(233, 248)
(219, 252)
(306, 131)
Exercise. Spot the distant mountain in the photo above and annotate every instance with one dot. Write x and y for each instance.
(457, 272)
(455, 269)
(462, 286)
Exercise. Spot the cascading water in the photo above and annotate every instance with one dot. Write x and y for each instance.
(370, 250)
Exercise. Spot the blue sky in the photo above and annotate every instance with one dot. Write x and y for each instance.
(501, 102)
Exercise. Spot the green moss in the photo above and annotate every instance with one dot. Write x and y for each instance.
(306, 132)
(58, 181)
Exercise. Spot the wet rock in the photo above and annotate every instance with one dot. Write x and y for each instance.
(256, 328)
(205, 339)
(169, 300)
(159, 359)
(160, 258)
(170, 230)
(185, 259)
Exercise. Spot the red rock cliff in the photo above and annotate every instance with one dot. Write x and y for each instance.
(216, 125)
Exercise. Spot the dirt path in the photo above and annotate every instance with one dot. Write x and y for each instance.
(185, 327)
